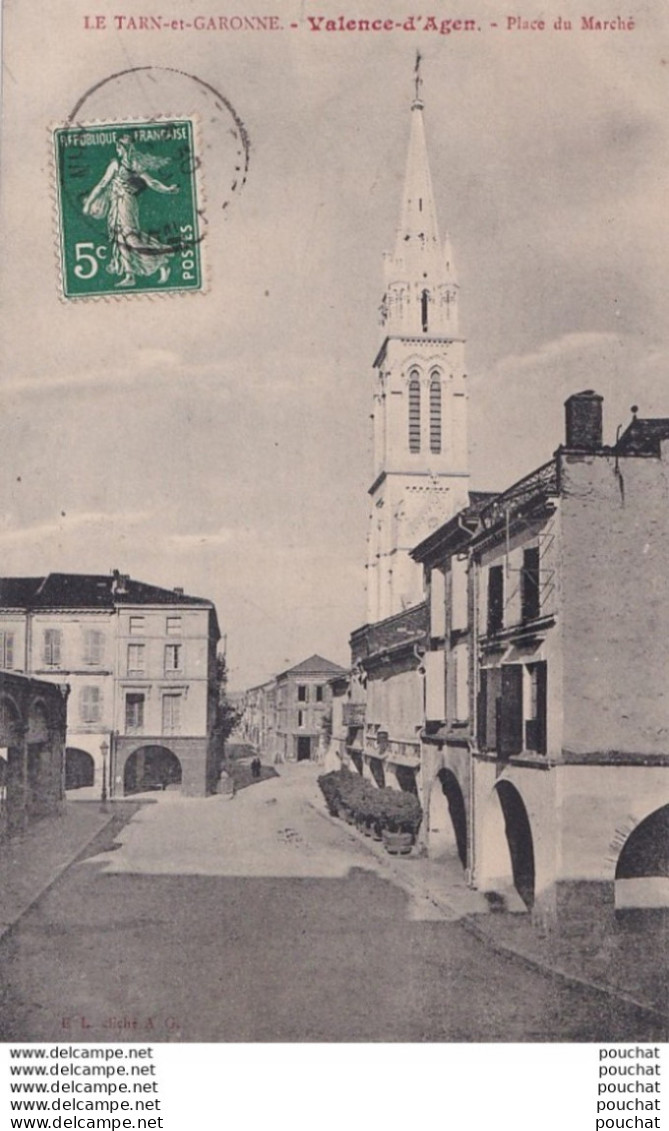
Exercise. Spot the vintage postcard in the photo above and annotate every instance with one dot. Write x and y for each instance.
(334, 606)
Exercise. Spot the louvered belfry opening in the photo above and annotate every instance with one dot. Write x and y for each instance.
(414, 413)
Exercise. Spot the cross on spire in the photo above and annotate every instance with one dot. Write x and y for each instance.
(418, 80)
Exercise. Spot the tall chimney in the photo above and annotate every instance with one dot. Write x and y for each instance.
(583, 415)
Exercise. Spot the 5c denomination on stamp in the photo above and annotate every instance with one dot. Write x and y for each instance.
(128, 208)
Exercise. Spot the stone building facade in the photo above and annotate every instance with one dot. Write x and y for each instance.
(33, 719)
(141, 664)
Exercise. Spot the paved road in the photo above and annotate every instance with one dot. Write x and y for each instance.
(259, 920)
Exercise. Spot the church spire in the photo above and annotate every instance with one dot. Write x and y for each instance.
(420, 287)
(421, 475)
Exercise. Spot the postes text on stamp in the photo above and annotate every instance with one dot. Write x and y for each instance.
(128, 208)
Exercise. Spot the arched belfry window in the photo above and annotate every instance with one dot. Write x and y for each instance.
(424, 300)
(435, 413)
(414, 412)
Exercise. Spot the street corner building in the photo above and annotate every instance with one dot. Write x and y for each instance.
(140, 664)
(512, 670)
(33, 719)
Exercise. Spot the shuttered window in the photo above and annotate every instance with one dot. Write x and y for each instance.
(171, 714)
(6, 649)
(511, 729)
(173, 658)
(52, 641)
(530, 585)
(90, 704)
(495, 599)
(134, 713)
(93, 646)
(489, 708)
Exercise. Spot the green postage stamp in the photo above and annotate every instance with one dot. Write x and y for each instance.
(128, 208)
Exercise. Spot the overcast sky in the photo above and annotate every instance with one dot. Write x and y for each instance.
(221, 442)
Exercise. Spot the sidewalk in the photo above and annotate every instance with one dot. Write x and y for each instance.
(627, 962)
(32, 862)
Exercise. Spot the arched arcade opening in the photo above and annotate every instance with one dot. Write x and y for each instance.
(505, 854)
(149, 768)
(519, 839)
(642, 871)
(447, 829)
(79, 768)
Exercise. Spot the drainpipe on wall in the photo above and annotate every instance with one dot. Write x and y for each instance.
(28, 643)
(474, 696)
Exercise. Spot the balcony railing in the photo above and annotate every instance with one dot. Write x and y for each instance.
(407, 627)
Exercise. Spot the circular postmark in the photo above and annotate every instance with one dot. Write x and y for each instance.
(129, 178)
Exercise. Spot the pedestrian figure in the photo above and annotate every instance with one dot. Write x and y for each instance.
(256, 766)
(226, 785)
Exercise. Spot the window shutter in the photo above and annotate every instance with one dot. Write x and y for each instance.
(52, 646)
(459, 596)
(90, 704)
(495, 599)
(511, 737)
(437, 603)
(435, 687)
(482, 712)
(7, 649)
(530, 583)
(542, 698)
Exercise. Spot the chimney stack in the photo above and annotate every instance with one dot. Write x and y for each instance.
(120, 582)
(583, 414)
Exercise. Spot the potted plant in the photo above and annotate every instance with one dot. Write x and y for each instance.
(401, 820)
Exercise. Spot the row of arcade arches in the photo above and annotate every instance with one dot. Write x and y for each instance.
(150, 767)
(642, 869)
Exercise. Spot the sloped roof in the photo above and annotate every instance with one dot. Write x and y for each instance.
(18, 592)
(314, 665)
(643, 437)
(87, 591)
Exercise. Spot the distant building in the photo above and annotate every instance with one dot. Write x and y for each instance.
(258, 724)
(141, 664)
(303, 702)
(285, 718)
(32, 750)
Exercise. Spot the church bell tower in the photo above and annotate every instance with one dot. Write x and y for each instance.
(420, 399)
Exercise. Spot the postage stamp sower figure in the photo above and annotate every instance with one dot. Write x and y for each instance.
(128, 208)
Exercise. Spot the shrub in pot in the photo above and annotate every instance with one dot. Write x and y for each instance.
(402, 812)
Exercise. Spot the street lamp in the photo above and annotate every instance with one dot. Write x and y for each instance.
(104, 750)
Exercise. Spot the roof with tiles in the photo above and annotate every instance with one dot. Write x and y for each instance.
(87, 591)
(643, 437)
(314, 665)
